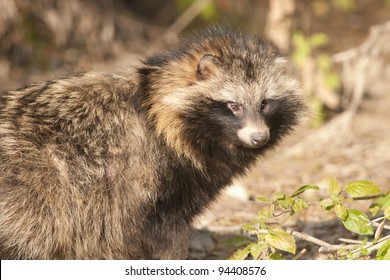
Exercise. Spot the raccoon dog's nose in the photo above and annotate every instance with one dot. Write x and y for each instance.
(259, 139)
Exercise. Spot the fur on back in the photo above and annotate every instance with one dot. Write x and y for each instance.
(116, 166)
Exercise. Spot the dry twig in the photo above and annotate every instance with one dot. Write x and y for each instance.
(330, 248)
(358, 68)
(356, 63)
(182, 22)
(299, 255)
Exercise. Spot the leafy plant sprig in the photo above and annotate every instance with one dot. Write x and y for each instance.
(270, 239)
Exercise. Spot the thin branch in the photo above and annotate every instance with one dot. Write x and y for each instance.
(378, 219)
(368, 197)
(300, 254)
(380, 222)
(351, 241)
(354, 246)
(329, 248)
(304, 236)
(370, 246)
(324, 246)
(178, 26)
(379, 229)
(366, 47)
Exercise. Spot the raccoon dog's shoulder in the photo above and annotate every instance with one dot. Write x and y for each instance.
(223, 94)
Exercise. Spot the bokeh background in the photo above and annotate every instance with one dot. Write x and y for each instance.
(339, 50)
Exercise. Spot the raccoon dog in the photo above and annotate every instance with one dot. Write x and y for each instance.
(116, 166)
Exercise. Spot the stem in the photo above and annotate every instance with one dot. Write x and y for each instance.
(368, 197)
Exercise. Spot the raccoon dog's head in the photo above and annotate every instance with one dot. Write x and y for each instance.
(221, 93)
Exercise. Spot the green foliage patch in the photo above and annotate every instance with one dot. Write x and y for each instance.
(274, 241)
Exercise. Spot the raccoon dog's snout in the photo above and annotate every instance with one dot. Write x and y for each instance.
(253, 136)
(259, 139)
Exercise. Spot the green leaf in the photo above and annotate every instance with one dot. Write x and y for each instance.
(318, 40)
(238, 241)
(298, 205)
(302, 49)
(286, 202)
(305, 188)
(278, 196)
(387, 213)
(209, 12)
(374, 209)
(350, 256)
(344, 5)
(332, 80)
(361, 188)
(381, 204)
(257, 249)
(299, 40)
(183, 4)
(263, 198)
(384, 201)
(281, 240)
(318, 119)
(324, 62)
(334, 188)
(341, 211)
(358, 222)
(264, 214)
(384, 252)
(241, 254)
(327, 204)
(248, 227)
(276, 256)
(364, 251)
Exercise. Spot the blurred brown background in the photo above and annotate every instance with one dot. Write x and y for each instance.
(339, 49)
(42, 36)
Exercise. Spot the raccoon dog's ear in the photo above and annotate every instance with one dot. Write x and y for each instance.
(208, 67)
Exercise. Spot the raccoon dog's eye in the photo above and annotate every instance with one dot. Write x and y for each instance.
(234, 107)
(263, 105)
